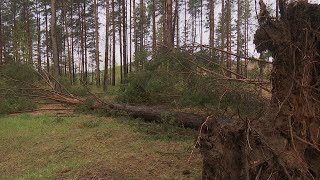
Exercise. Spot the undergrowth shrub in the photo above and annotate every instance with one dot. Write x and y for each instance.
(86, 106)
(173, 78)
(20, 72)
(14, 79)
(77, 90)
(12, 104)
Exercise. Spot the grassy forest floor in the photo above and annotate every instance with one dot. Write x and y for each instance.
(52, 144)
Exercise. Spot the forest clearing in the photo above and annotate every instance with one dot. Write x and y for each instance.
(149, 89)
(89, 147)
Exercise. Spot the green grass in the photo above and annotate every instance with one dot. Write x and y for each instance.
(82, 147)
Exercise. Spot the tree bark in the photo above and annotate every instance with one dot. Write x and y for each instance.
(130, 39)
(170, 33)
(120, 41)
(154, 40)
(39, 38)
(85, 29)
(96, 43)
(124, 38)
(141, 25)
(164, 23)
(29, 37)
(106, 54)
(222, 32)
(177, 19)
(185, 22)
(68, 43)
(47, 38)
(135, 38)
(113, 45)
(72, 44)
(1, 44)
(239, 44)
(54, 44)
(211, 25)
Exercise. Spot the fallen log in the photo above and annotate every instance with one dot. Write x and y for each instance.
(160, 115)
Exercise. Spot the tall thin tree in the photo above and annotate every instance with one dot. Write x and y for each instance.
(154, 35)
(222, 31)
(54, 43)
(113, 45)
(96, 43)
(47, 38)
(239, 36)
(170, 32)
(38, 37)
(211, 25)
(106, 54)
(141, 24)
(66, 26)
(80, 24)
(130, 39)
(1, 49)
(124, 38)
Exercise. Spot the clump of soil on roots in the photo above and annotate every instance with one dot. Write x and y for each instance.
(284, 142)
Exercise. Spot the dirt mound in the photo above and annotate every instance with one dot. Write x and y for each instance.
(284, 142)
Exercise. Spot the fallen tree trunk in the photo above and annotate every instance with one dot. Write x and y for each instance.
(155, 114)
(285, 142)
(160, 115)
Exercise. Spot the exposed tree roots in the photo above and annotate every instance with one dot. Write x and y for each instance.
(284, 143)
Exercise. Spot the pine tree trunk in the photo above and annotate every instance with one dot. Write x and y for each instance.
(229, 44)
(120, 41)
(124, 38)
(72, 45)
(211, 26)
(96, 43)
(154, 41)
(177, 24)
(130, 38)
(201, 30)
(54, 43)
(164, 23)
(238, 36)
(135, 36)
(222, 32)
(29, 37)
(113, 45)
(84, 25)
(1, 42)
(38, 38)
(185, 22)
(47, 38)
(170, 29)
(80, 23)
(141, 25)
(106, 60)
(67, 39)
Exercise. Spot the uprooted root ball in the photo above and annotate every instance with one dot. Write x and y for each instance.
(283, 143)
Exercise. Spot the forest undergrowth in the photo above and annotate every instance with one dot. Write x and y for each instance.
(180, 80)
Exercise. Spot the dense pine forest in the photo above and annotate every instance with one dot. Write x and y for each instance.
(149, 89)
(77, 39)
